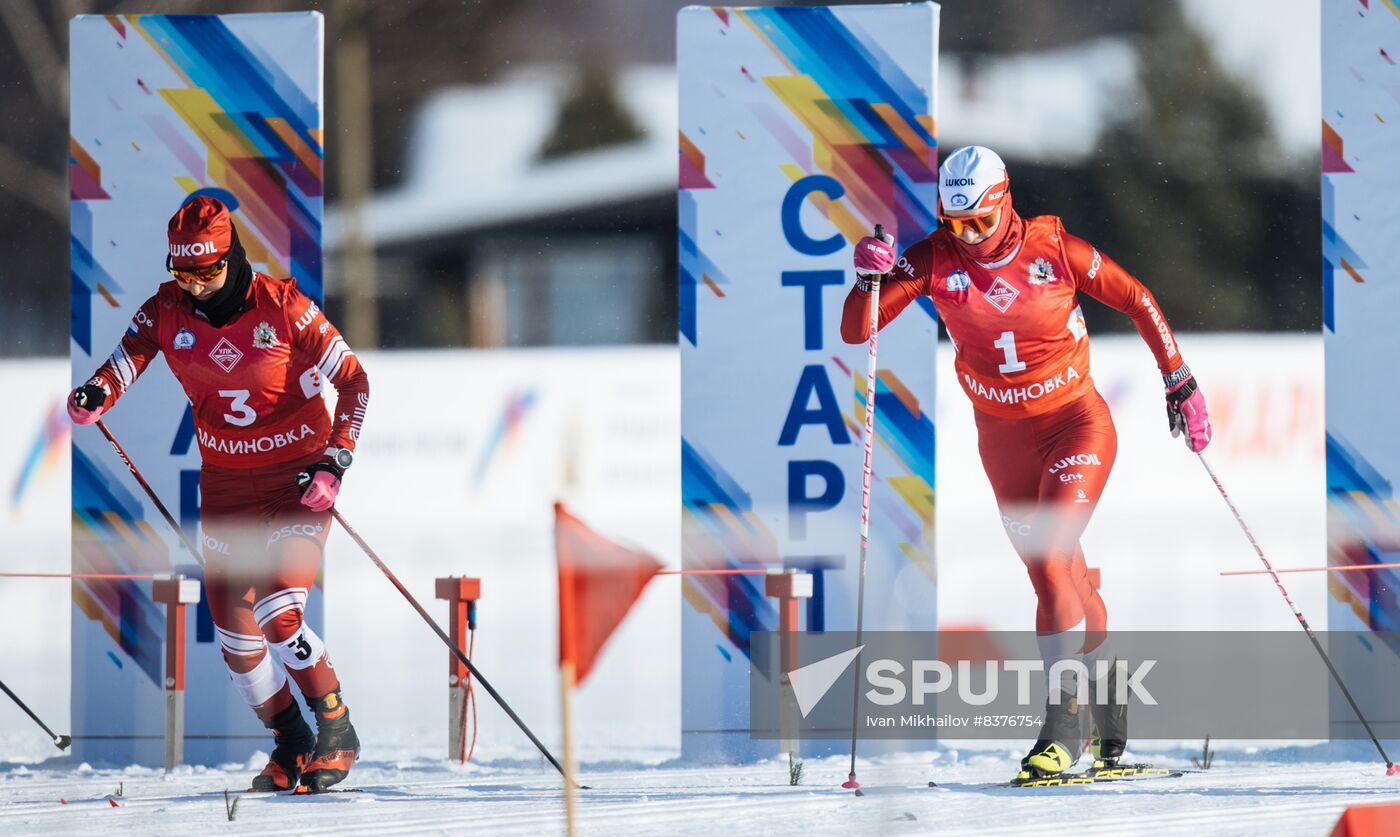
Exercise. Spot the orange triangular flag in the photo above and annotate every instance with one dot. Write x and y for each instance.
(598, 583)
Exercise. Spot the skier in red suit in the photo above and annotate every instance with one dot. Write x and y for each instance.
(253, 353)
(1006, 290)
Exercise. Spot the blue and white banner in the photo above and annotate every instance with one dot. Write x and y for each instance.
(1360, 295)
(164, 107)
(800, 130)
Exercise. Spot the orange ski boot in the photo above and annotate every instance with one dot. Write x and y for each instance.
(294, 745)
(337, 746)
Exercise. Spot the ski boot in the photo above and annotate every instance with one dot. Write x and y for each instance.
(294, 744)
(1058, 747)
(337, 746)
(1108, 734)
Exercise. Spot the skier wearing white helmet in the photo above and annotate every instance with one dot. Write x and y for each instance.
(1005, 289)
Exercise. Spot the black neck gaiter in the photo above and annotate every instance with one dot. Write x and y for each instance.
(229, 300)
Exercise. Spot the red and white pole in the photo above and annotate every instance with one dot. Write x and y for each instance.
(461, 594)
(789, 588)
(175, 592)
(871, 366)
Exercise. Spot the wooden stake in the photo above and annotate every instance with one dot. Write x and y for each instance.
(566, 685)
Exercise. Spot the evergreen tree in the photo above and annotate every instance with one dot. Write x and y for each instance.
(1200, 203)
(590, 117)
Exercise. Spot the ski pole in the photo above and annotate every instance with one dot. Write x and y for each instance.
(1390, 768)
(851, 783)
(1344, 568)
(136, 472)
(452, 646)
(60, 741)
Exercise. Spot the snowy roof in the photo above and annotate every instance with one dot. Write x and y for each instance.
(472, 159)
(1038, 107)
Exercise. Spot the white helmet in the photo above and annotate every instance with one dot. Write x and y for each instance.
(972, 177)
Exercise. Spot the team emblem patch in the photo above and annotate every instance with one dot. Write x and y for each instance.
(226, 354)
(264, 336)
(184, 339)
(1042, 272)
(958, 280)
(1001, 294)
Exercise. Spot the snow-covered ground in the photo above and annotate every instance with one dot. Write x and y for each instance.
(1276, 792)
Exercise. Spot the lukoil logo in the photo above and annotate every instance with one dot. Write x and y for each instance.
(1076, 459)
(887, 679)
(197, 248)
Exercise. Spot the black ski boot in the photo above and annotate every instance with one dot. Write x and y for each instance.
(294, 744)
(337, 746)
(1109, 732)
(1058, 747)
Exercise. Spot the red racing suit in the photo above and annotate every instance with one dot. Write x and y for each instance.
(1045, 435)
(255, 385)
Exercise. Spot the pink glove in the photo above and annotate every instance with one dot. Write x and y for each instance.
(1186, 410)
(874, 255)
(319, 494)
(85, 404)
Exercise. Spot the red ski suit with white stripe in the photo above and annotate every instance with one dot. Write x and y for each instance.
(255, 385)
(1045, 436)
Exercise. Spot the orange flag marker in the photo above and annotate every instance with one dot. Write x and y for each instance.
(599, 581)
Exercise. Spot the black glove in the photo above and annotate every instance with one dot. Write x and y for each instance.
(327, 464)
(89, 396)
(1176, 422)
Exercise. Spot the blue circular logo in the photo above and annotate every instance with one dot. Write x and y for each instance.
(958, 201)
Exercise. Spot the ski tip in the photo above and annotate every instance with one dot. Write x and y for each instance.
(1392, 770)
(62, 741)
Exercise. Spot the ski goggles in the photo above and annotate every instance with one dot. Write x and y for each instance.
(196, 275)
(977, 223)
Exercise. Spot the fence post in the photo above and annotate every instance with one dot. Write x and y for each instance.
(788, 587)
(461, 594)
(175, 592)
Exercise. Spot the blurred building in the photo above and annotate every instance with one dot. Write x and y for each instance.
(513, 247)
(489, 242)
(1036, 80)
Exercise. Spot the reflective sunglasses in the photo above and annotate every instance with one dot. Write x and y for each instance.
(197, 275)
(977, 223)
